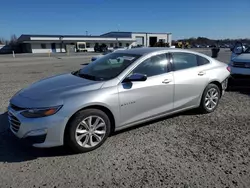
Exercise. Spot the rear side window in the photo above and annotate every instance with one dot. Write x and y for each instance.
(184, 60)
(202, 60)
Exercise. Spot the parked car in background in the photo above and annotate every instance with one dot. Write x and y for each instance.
(100, 48)
(105, 53)
(81, 47)
(239, 64)
(119, 90)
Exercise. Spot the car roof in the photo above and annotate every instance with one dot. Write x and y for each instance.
(148, 50)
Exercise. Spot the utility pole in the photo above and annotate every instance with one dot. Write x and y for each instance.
(86, 33)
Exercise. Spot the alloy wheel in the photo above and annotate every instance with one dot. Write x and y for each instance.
(90, 131)
(211, 99)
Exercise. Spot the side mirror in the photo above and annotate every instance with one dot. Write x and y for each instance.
(135, 78)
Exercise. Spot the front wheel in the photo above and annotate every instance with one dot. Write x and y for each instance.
(210, 98)
(87, 131)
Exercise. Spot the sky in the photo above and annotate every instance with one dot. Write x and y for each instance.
(217, 19)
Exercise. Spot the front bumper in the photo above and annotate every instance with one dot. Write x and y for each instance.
(240, 77)
(42, 132)
(244, 72)
(224, 85)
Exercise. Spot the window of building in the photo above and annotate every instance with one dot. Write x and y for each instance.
(81, 46)
(184, 60)
(111, 45)
(87, 45)
(120, 44)
(43, 46)
(153, 66)
(202, 60)
(127, 44)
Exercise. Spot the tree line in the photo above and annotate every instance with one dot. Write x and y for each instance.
(207, 41)
(11, 41)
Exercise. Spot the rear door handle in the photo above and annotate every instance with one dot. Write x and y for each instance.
(166, 81)
(201, 73)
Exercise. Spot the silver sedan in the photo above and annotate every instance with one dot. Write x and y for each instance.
(121, 89)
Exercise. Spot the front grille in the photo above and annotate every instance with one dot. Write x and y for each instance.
(241, 65)
(14, 122)
(241, 77)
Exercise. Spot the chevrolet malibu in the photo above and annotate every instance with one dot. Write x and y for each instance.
(121, 89)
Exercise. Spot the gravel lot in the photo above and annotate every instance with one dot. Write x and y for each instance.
(185, 150)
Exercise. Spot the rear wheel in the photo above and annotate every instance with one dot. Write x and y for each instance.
(210, 98)
(87, 131)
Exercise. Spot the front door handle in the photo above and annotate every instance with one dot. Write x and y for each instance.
(166, 81)
(201, 73)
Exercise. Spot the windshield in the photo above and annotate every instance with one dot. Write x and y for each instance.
(247, 50)
(108, 66)
(81, 45)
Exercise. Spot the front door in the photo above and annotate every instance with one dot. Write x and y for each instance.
(143, 99)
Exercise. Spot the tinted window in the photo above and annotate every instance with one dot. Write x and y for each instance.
(108, 66)
(184, 60)
(202, 60)
(247, 50)
(153, 66)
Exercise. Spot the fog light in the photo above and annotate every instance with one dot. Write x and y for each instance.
(36, 132)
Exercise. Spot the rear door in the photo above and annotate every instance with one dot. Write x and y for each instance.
(190, 77)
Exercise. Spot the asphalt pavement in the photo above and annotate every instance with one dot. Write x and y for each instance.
(184, 150)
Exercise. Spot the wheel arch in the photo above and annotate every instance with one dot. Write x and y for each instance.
(217, 83)
(96, 106)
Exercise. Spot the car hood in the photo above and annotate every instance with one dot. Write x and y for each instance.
(51, 91)
(242, 58)
(96, 57)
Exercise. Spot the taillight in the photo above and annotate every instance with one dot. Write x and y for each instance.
(229, 68)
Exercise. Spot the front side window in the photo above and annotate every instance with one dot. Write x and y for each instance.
(153, 66)
(108, 66)
(184, 60)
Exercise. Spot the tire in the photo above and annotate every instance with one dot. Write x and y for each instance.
(209, 90)
(91, 134)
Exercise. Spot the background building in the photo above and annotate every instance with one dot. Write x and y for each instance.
(72, 43)
(143, 38)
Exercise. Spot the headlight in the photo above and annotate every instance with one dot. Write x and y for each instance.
(42, 112)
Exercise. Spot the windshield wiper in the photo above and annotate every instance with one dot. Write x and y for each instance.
(87, 76)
